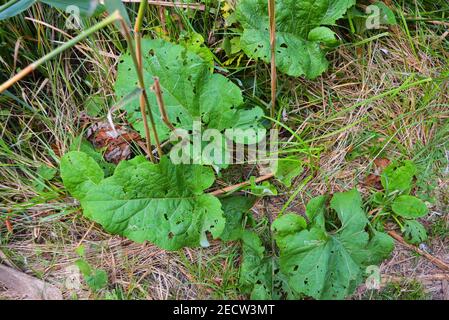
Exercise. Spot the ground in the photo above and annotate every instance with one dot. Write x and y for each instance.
(385, 96)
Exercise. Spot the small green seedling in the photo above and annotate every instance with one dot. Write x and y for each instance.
(96, 279)
(395, 202)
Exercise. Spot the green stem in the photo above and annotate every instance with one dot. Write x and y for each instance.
(398, 222)
(140, 14)
(141, 82)
(272, 18)
(110, 19)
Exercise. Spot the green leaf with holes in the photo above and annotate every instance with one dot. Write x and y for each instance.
(235, 210)
(256, 269)
(190, 91)
(328, 262)
(298, 32)
(162, 203)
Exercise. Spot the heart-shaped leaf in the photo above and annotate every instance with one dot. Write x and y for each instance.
(190, 91)
(161, 203)
(298, 40)
(324, 264)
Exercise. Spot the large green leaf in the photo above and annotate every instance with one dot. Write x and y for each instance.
(329, 264)
(162, 203)
(190, 91)
(298, 32)
(79, 173)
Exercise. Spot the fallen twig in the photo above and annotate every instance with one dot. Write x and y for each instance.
(239, 185)
(427, 277)
(439, 263)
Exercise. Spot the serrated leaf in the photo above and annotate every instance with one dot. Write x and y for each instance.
(409, 207)
(161, 203)
(97, 280)
(235, 209)
(414, 232)
(398, 177)
(84, 267)
(190, 91)
(295, 54)
(79, 172)
(329, 265)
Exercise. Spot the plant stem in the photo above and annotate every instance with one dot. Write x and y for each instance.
(438, 262)
(30, 68)
(140, 14)
(142, 101)
(272, 16)
(141, 86)
(160, 101)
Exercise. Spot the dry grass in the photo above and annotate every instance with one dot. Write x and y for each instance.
(360, 94)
